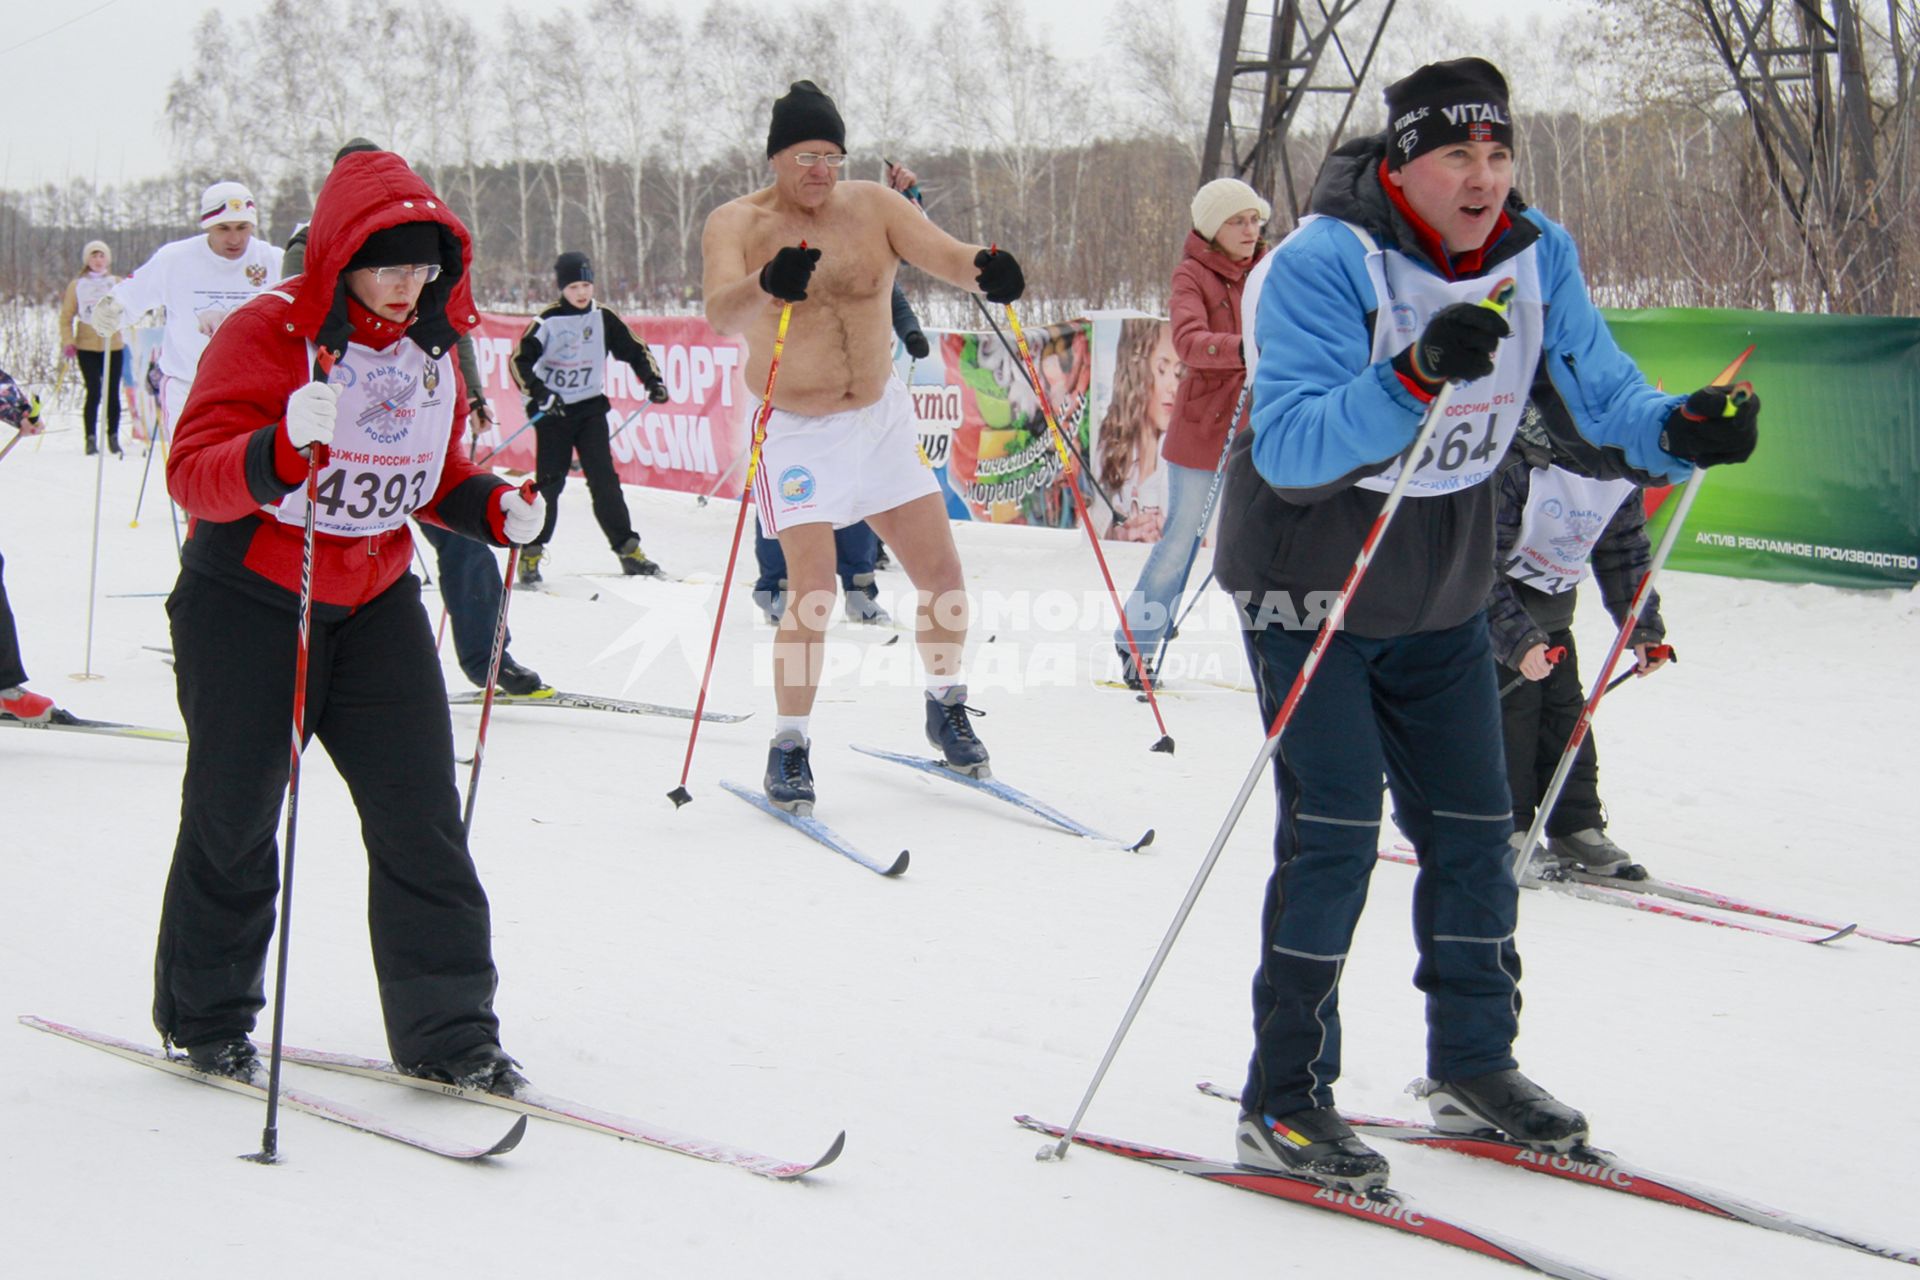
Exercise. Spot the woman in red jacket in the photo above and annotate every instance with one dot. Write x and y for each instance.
(386, 292)
(1205, 306)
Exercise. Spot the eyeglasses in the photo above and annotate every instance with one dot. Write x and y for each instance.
(808, 159)
(424, 272)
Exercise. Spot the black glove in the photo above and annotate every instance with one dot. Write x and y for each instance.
(787, 275)
(1715, 426)
(1456, 346)
(1000, 278)
(542, 402)
(657, 392)
(916, 343)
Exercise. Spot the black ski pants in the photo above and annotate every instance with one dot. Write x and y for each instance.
(581, 430)
(377, 703)
(89, 362)
(1423, 710)
(12, 671)
(1538, 717)
(470, 586)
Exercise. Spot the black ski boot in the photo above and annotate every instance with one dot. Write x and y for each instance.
(1507, 1103)
(634, 561)
(948, 729)
(235, 1058)
(516, 679)
(1130, 671)
(113, 444)
(530, 557)
(789, 780)
(484, 1067)
(863, 602)
(1316, 1145)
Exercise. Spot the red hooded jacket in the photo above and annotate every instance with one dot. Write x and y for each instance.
(1205, 309)
(231, 455)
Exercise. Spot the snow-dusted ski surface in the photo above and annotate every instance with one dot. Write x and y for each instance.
(713, 972)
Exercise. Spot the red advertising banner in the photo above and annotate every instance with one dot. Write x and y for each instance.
(688, 443)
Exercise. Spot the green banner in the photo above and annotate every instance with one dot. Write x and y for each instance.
(1833, 493)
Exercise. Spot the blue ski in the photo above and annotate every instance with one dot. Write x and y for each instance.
(1001, 791)
(818, 830)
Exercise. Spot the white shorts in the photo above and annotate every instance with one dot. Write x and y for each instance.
(843, 467)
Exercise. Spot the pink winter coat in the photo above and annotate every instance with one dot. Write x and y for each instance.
(1206, 334)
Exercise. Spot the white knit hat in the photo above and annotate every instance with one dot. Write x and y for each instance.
(1220, 199)
(227, 202)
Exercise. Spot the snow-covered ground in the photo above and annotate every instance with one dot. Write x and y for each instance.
(713, 971)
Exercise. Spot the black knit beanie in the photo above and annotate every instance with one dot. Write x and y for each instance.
(571, 268)
(1442, 103)
(351, 145)
(804, 115)
(400, 246)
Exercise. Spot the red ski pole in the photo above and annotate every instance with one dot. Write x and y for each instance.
(1497, 299)
(493, 671)
(680, 795)
(1086, 522)
(1551, 796)
(316, 458)
(1655, 653)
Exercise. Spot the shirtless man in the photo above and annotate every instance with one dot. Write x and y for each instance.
(841, 439)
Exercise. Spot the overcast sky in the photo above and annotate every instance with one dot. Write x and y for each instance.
(86, 80)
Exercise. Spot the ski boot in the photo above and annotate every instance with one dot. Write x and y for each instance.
(234, 1058)
(863, 602)
(1596, 855)
(516, 679)
(530, 557)
(1130, 671)
(789, 780)
(113, 444)
(772, 603)
(634, 561)
(1316, 1145)
(25, 706)
(1505, 1102)
(948, 729)
(484, 1067)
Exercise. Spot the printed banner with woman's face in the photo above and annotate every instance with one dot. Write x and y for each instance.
(1136, 375)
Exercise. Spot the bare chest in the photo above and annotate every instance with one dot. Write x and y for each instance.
(856, 261)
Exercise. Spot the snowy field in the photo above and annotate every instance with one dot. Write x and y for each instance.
(710, 970)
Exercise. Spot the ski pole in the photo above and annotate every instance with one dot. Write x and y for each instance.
(517, 433)
(1080, 504)
(1206, 515)
(316, 457)
(725, 476)
(527, 491)
(146, 468)
(1655, 653)
(1033, 381)
(1552, 656)
(1498, 299)
(93, 556)
(1551, 796)
(19, 434)
(680, 795)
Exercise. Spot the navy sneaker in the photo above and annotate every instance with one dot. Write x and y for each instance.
(949, 729)
(789, 780)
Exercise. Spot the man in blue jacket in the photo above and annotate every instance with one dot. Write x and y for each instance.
(1367, 311)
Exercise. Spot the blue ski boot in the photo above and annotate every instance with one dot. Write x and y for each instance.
(948, 729)
(789, 780)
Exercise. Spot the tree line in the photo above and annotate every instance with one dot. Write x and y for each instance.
(615, 126)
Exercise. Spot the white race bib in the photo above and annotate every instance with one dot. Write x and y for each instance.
(1484, 414)
(1565, 516)
(88, 290)
(389, 441)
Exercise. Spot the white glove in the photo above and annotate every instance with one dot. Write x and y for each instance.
(108, 316)
(310, 414)
(525, 517)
